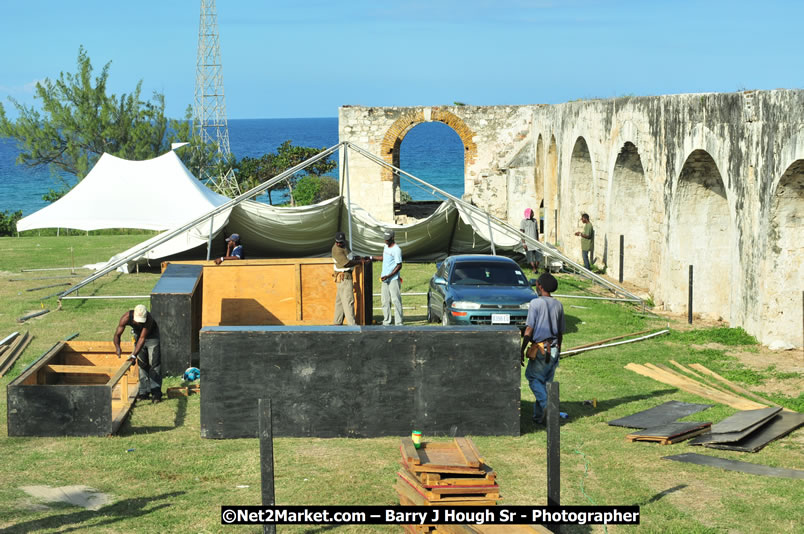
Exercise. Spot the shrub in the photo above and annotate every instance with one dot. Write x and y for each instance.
(314, 189)
(8, 222)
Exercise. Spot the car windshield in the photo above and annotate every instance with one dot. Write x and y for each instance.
(487, 274)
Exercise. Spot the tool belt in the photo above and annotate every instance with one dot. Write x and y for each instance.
(340, 276)
(541, 348)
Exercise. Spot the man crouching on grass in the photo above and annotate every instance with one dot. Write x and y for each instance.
(544, 330)
(146, 350)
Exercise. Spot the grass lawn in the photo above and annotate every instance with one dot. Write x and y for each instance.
(174, 481)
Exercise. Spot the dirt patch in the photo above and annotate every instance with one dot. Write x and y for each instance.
(82, 496)
(784, 361)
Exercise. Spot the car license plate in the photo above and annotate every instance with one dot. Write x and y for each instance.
(500, 318)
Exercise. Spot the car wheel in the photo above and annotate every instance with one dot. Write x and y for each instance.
(430, 318)
(444, 316)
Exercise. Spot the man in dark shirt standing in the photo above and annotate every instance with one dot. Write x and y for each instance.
(146, 350)
(344, 289)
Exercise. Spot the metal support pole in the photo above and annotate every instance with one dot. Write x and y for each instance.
(209, 239)
(689, 303)
(622, 254)
(266, 457)
(553, 446)
(72, 261)
(348, 194)
(491, 235)
(555, 218)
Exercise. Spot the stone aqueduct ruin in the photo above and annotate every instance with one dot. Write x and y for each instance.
(710, 180)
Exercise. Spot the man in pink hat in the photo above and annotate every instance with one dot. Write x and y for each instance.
(530, 227)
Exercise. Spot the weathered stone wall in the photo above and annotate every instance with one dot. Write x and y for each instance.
(710, 180)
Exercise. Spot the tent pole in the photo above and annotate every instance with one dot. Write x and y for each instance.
(348, 193)
(209, 241)
(491, 235)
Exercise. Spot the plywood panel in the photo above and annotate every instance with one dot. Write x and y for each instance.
(272, 292)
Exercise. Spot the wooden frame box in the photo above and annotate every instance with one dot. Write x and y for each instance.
(79, 388)
(293, 291)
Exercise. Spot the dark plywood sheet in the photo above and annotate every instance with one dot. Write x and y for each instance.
(743, 420)
(63, 410)
(361, 381)
(735, 465)
(729, 437)
(659, 415)
(671, 430)
(782, 424)
(176, 307)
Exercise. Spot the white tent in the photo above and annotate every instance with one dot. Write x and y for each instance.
(155, 194)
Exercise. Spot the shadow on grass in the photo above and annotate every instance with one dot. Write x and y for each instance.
(181, 414)
(119, 511)
(661, 494)
(577, 410)
(570, 323)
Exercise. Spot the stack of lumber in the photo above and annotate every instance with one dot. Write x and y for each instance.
(183, 391)
(715, 388)
(10, 349)
(445, 474)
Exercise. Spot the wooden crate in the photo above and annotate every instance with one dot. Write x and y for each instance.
(290, 291)
(78, 388)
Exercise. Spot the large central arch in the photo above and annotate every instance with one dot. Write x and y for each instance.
(389, 148)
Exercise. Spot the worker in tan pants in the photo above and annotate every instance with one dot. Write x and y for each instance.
(344, 293)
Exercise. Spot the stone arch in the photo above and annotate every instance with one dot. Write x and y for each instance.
(701, 233)
(630, 216)
(784, 261)
(389, 147)
(581, 189)
(551, 190)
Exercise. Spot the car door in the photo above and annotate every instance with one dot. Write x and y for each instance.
(437, 293)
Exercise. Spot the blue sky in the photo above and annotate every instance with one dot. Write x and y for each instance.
(307, 58)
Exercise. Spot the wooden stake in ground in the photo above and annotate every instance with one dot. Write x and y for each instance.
(266, 457)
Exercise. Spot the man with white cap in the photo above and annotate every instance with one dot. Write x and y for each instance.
(234, 250)
(391, 283)
(146, 350)
(530, 227)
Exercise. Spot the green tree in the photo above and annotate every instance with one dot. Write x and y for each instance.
(313, 189)
(79, 121)
(254, 171)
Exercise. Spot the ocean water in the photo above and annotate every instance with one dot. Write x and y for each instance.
(430, 151)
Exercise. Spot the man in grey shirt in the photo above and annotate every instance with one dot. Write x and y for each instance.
(545, 330)
(530, 227)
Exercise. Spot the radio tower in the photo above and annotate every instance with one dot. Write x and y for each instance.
(209, 110)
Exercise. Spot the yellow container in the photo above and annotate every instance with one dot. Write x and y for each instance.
(416, 436)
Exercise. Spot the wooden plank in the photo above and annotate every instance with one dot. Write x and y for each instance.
(481, 489)
(615, 338)
(410, 493)
(83, 369)
(694, 383)
(29, 376)
(702, 381)
(687, 370)
(693, 387)
(409, 452)
(14, 352)
(467, 452)
(436, 480)
(732, 385)
(299, 292)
